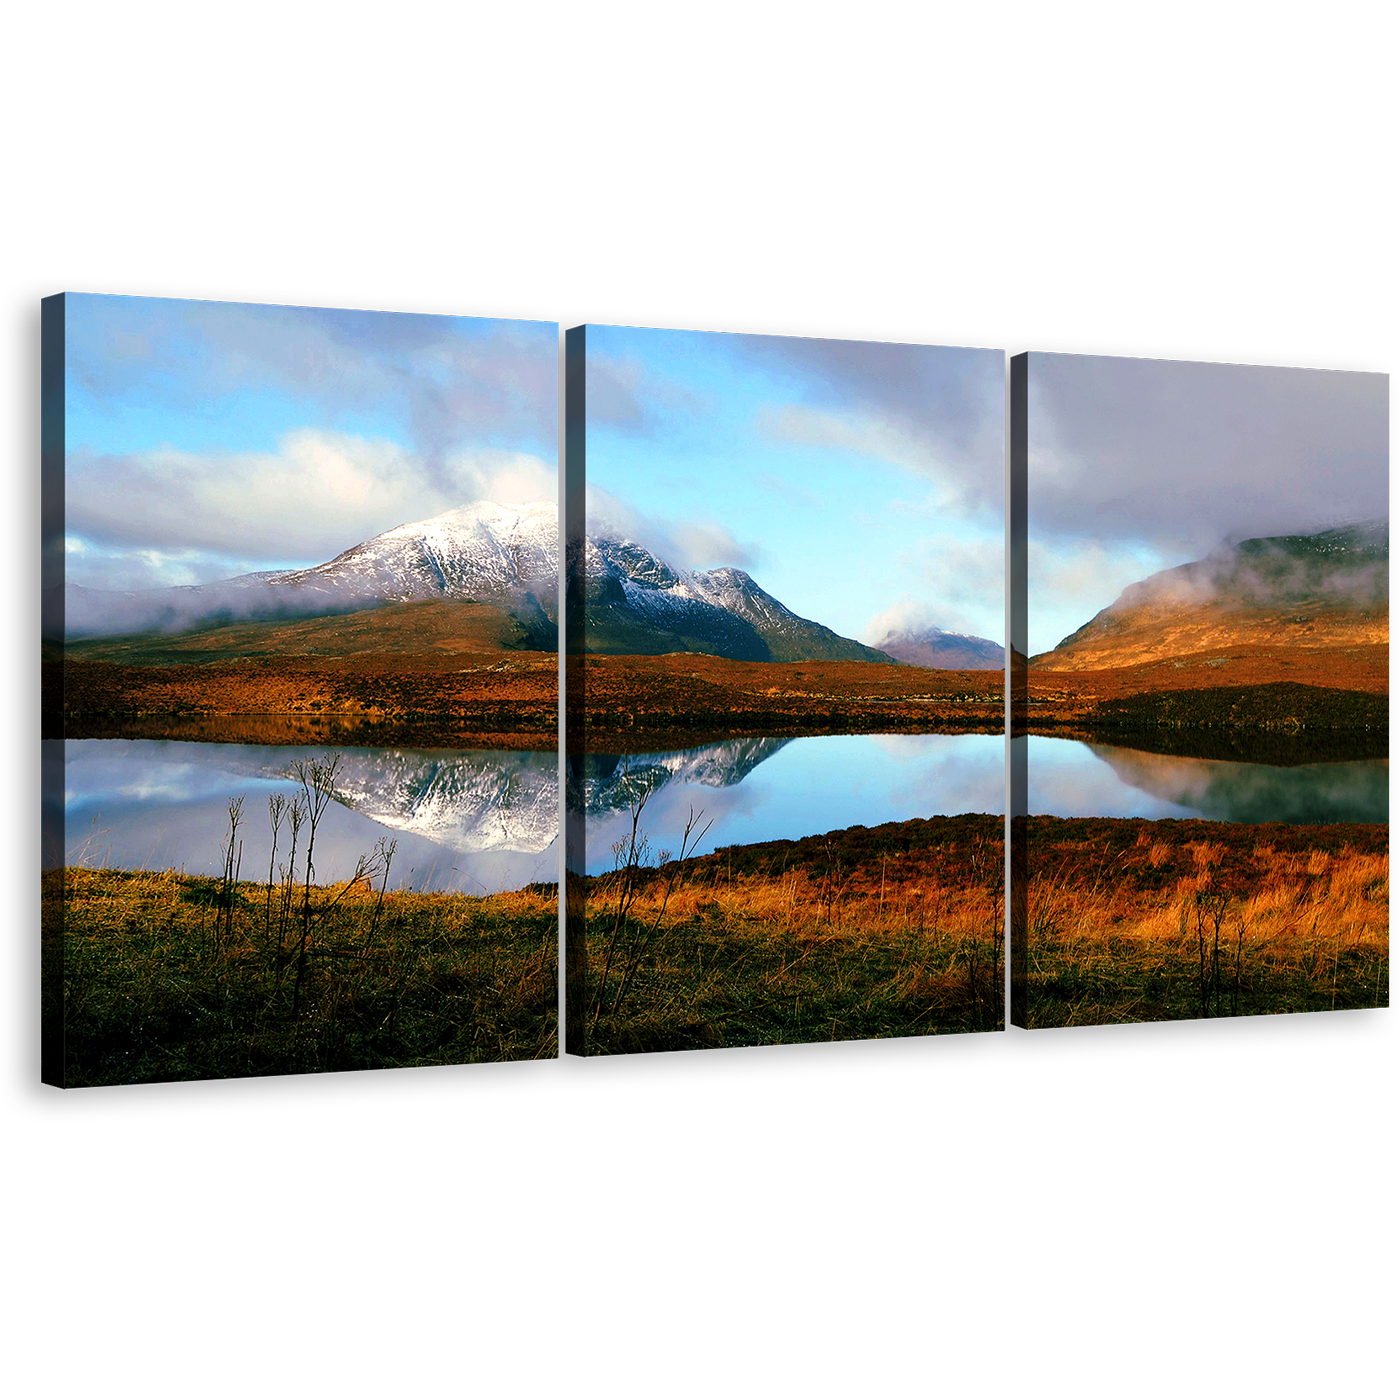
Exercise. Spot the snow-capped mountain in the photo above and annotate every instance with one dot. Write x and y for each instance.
(466, 802)
(944, 651)
(636, 604)
(496, 800)
(482, 552)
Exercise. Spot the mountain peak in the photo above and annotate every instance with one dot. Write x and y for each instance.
(637, 604)
(480, 552)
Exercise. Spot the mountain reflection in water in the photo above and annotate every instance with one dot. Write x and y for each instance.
(1073, 779)
(478, 820)
(771, 789)
(483, 821)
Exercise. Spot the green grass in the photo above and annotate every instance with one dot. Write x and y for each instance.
(166, 977)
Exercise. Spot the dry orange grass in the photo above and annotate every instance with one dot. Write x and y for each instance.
(1313, 934)
(807, 906)
(1347, 897)
(1179, 934)
(800, 956)
(1285, 910)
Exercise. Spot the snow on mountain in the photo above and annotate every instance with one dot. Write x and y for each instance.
(607, 783)
(636, 603)
(482, 552)
(466, 802)
(469, 801)
(501, 800)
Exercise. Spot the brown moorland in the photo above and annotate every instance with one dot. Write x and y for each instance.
(431, 627)
(1303, 689)
(453, 674)
(839, 936)
(631, 703)
(1153, 632)
(453, 700)
(893, 930)
(359, 672)
(1364, 667)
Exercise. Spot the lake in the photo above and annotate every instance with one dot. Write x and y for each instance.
(485, 821)
(1068, 778)
(475, 821)
(770, 789)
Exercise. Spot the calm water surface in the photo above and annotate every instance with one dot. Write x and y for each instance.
(488, 821)
(770, 789)
(1072, 779)
(477, 821)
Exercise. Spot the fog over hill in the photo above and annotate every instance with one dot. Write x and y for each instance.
(944, 651)
(1326, 589)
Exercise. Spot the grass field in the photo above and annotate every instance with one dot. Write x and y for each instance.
(1129, 920)
(167, 977)
(895, 931)
(865, 933)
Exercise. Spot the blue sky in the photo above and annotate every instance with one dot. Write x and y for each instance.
(860, 483)
(206, 439)
(1138, 465)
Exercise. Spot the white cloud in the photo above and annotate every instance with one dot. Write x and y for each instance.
(961, 587)
(1184, 454)
(684, 544)
(318, 494)
(906, 614)
(508, 478)
(121, 570)
(965, 489)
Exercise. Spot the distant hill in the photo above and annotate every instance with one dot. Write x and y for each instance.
(637, 605)
(943, 651)
(1322, 590)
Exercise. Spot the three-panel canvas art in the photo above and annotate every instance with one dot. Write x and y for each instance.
(304, 631)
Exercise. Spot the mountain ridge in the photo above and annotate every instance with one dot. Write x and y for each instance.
(636, 604)
(502, 559)
(481, 552)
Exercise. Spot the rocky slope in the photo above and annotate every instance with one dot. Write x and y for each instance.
(637, 605)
